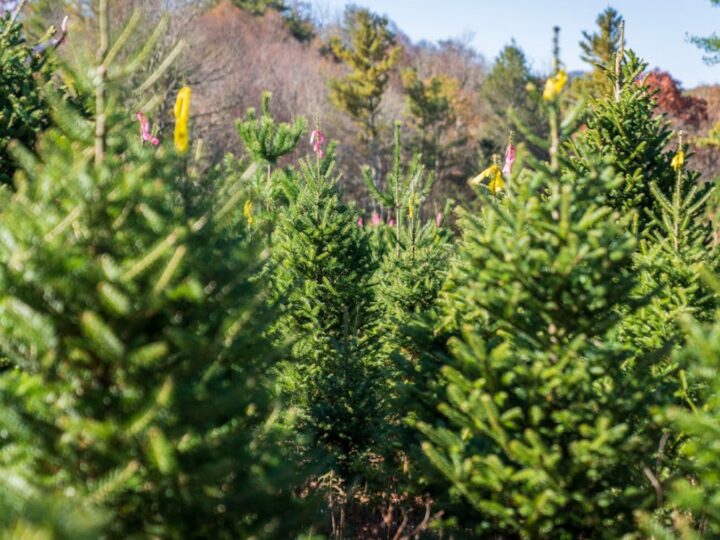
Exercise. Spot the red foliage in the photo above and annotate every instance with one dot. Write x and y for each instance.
(688, 111)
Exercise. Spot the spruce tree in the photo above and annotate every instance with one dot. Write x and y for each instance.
(691, 495)
(413, 265)
(134, 335)
(545, 436)
(668, 263)
(667, 206)
(266, 142)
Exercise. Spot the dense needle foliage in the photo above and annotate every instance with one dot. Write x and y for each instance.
(237, 350)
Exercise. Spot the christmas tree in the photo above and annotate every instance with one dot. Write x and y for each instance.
(622, 124)
(25, 71)
(138, 369)
(322, 269)
(545, 435)
(691, 494)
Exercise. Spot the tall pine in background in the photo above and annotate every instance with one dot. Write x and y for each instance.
(433, 104)
(599, 49)
(369, 52)
(505, 88)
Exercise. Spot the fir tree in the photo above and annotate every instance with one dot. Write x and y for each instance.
(414, 264)
(322, 269)
(138, 377)
(669, 264)
(691, 495)
(412, 270)
(266, 142)
(624, 126)
(24, 73)
(545, 434)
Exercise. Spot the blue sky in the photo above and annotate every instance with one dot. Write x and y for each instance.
(656, 29)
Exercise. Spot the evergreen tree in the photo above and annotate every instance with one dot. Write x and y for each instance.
(370, 56)
(668, 206)
(692, 495)
(432, 104)
(31, 515)
(266, 142)
(546, 436)
(259, 7)
(134, 337)
(709, 44)
(298, 19)
(505, 87)
(24, 73)
(322, 270)
(412, 270)
(600, 49)
(668, 267)
(624, 127)
(413, 266)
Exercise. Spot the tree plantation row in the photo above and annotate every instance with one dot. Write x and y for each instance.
(233, 349)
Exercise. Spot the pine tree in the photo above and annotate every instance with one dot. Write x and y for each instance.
(546, 436)
(432, 104)
(505, 87)
(24, 72)
(134, 335)
(259, 7)
(298, 19)
(322, 269)
(599, 49)
(370, 56)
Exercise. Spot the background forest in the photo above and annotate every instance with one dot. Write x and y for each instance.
(267, 275)
(452, 102)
